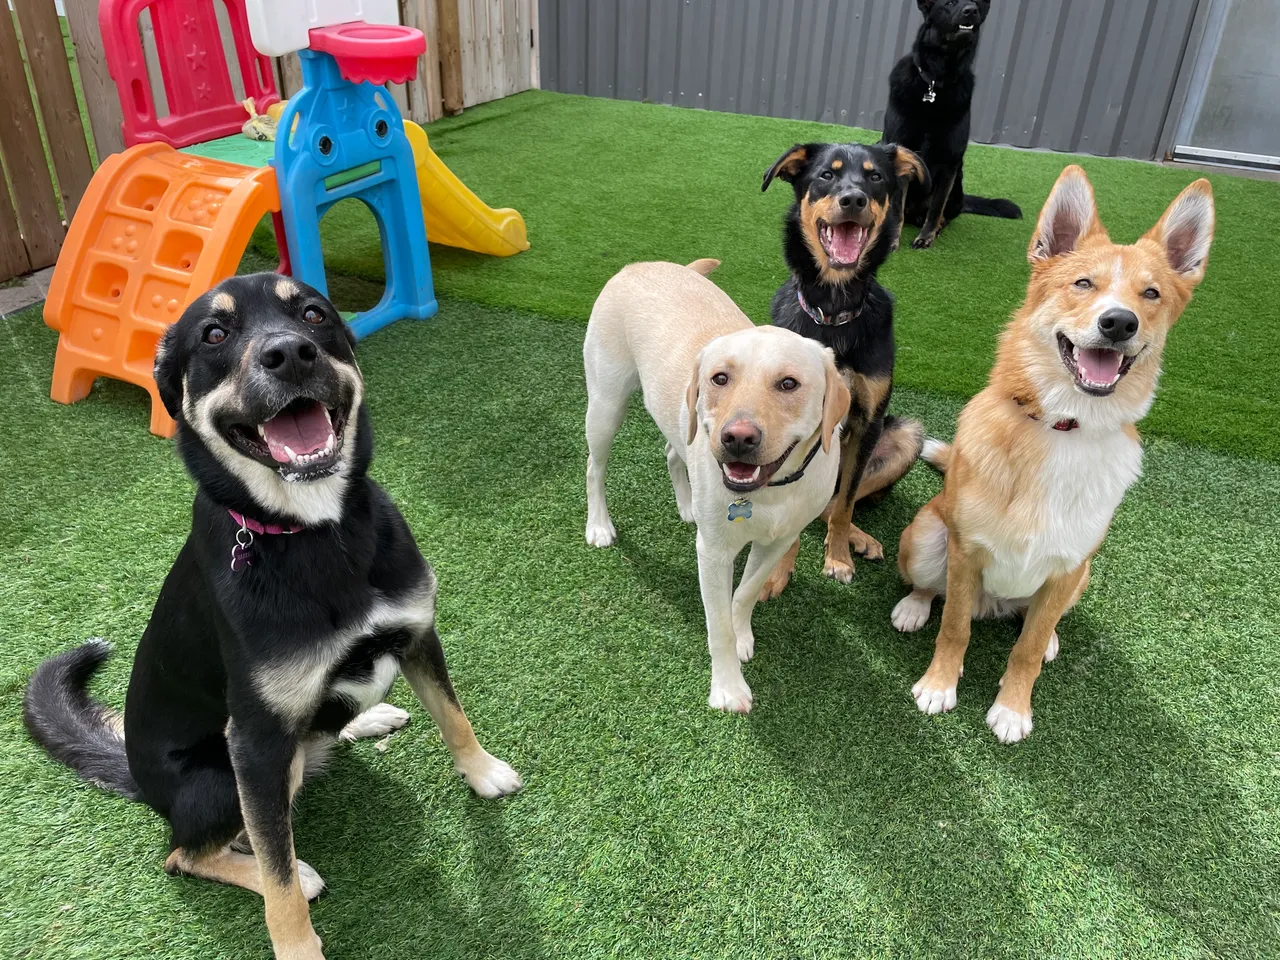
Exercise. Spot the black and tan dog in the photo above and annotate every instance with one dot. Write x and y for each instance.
(845, 220)
(298, 598)
(930, 92)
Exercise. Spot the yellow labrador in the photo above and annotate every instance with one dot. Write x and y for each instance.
(751, 417)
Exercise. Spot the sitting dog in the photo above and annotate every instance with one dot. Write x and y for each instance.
(749, 414)
(1043, 455)
(845, 220)
(298, 598)
(930, 90)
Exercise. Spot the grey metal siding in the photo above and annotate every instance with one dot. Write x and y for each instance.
(1087, 76)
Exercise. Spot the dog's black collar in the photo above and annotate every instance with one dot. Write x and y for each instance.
(819, 317)
(803, 467)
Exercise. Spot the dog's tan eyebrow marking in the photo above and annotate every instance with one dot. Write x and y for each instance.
(868, 166)
(224, 302)
(837, 164)
(286, 288)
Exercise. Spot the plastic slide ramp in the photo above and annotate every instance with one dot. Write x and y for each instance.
(454, 215)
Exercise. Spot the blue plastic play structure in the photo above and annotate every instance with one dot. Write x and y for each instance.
(337, 140)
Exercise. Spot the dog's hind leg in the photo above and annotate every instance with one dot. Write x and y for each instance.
(781, 575)
(935, 219)
(761, 562)
(377, 721)
(425, 669)
(680, 484)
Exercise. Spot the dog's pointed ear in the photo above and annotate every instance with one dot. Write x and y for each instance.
(1069, 215)
(168, 372)
(907, 163)
(1186, 231)
(835, 401)
(691, 397)
(925, 6)
(790, 165)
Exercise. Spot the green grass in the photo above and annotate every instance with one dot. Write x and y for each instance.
(1142, 818)
(603, 183)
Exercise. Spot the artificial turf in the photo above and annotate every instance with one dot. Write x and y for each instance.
(1140, 819)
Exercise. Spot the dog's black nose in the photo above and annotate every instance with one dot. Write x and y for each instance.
(855, 199)
(1118, 325)
(288, 356)
(969, 13)
(740, 438)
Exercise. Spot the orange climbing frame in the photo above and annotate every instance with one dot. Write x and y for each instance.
(156, 229)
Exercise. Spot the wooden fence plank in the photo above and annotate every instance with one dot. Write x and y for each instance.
(535, 46)
(24, 157)
(100, 95)
(424, 90)
(450, 34)
(498, 28)
(13, 255)
(63, 128)
(290, 75)
(511, 80)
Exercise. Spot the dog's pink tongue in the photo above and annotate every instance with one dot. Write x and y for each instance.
(846, 242)
(303, 429)
(1099, 366)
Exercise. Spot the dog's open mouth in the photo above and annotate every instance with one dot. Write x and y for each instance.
(842, 242)
(303, 441)
(1097, 370)
(742, 477)
(967, 27)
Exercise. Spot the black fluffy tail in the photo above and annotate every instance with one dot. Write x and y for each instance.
(983, 207)
(85, 735)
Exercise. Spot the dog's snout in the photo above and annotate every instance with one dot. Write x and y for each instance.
(969, 13)
(1118, 325)
(741, 438)
(854, 199)
(289, 356)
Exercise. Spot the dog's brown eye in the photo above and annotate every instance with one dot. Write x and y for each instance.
(874, 177)
(1151, 293)
(720, 379)
(788, 384)
(827, 175)
(312, 315)
(1084, 283)
(214, 335)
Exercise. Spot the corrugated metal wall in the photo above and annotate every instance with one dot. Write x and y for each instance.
(1089, 76)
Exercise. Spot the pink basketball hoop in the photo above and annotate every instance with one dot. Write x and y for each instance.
(379, 53)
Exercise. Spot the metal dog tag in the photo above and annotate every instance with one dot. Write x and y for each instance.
(242, 550)
(739, 510)
(930, 95)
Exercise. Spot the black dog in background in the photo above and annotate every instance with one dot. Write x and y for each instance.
(846, 219)
(930, 91)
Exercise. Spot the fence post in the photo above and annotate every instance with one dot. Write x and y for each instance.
(100, 95)
(13, 255)
(450, 55)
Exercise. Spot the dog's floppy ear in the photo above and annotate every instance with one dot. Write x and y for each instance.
(168, 372)
(835, 402)
(790, 165)
(1186, 230)
(691, 397)
(1069, 215)
(907, 163)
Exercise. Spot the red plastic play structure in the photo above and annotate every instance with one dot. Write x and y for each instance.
(379, 53)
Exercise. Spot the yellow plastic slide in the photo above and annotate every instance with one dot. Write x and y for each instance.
(455, 216)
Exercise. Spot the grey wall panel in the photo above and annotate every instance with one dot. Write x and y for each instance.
(1087, 76)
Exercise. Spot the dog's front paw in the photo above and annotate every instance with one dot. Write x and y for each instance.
(686, 512)
(312, 882)
(377, 721)
(865, 545)
(1051, 651)
(601, 533)
(488, 776)
(1007, 724)
(308, 948)
(838, 570)
(746, 645)
(912, 612)
(923, 242)
(932, 697)
(732, 696)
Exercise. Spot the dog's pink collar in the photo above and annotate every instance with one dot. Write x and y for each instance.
(248, 523)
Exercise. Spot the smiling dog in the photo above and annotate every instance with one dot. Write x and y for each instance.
(1044, 455)
(298, 598)
(750, 416)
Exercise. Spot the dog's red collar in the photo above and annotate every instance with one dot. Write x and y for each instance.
(1066, 425)
(242, 549)
(248, 523)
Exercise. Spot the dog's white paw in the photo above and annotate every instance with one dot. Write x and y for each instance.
(932, 700)
(839, 571)
(602, 534)
(1008, 725)
(312, 883)
(488, 776)
(733, 696)
(377, 721)
(1051, 651)
(686, 512)
(912, 612)
(746, 645)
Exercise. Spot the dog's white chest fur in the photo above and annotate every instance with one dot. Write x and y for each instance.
(1081, 482)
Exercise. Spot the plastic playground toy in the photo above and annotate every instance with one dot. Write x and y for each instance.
(158, 227)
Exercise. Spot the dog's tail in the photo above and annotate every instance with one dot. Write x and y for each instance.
(937, 454)
(85, 735)
(897, 450)
(983, 207)
(704, 266)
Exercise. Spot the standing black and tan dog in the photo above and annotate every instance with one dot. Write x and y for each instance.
(930, 92)
(298, 598)
(845, 220)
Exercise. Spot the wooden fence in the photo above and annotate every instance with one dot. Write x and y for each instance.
(477, 50)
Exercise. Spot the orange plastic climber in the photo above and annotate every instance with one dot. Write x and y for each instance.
(155, 229)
